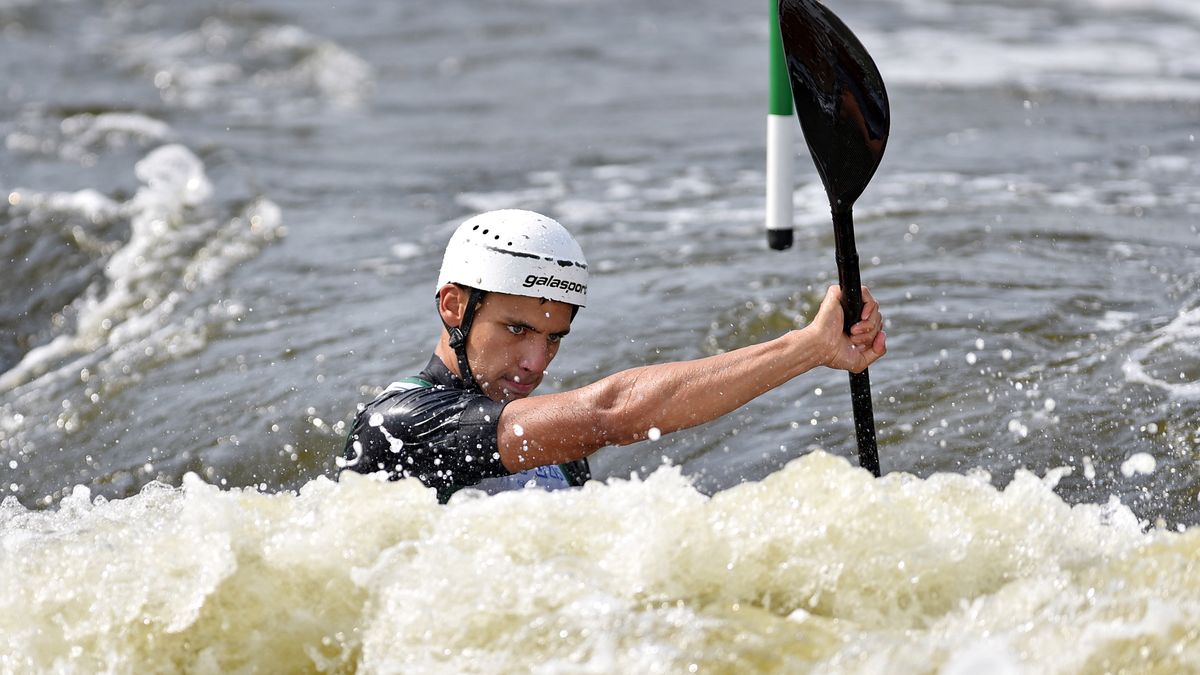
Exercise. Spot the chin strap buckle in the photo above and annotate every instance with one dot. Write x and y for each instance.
(457, 338)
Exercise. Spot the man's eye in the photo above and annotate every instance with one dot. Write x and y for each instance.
(516, 330)
(554, 339)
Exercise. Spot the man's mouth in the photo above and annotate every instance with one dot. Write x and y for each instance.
(514, 386)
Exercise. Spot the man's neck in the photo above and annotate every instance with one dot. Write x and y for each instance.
(447, 355)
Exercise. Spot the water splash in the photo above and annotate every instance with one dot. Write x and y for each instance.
(1168, 361)
(818, 568)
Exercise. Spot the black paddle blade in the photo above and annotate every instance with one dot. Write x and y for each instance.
(839, 95)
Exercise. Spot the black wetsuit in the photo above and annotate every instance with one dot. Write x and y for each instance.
(432, 428)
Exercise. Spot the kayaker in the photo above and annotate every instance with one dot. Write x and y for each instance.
(510, 285)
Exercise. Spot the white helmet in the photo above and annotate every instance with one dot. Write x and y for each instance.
(519, 253)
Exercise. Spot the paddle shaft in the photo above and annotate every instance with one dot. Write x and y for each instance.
(852, 304)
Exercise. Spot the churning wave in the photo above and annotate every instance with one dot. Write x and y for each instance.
(817, 568)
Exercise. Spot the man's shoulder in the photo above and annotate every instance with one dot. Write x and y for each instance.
(443, 435)
(417, 402)
(435, 378)
(412, 394)
(409, 383)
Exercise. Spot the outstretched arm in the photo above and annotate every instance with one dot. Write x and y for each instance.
(622, 408)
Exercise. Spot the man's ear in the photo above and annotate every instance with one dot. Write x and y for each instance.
(452, 304)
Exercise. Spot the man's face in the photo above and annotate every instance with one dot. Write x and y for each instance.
(513, 340)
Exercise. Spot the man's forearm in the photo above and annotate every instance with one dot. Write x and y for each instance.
(674, 396)
(623, 407)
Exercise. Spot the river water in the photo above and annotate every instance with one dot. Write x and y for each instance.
(221, 223)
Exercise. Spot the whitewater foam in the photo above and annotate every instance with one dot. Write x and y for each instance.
(171, 238)
(132, 307)
(818, 568)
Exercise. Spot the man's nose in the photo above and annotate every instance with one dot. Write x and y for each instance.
(535, 355)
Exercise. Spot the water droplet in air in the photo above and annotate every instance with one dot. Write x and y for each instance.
(653, 434)
(1089, 469)
(1138, 463)
(1015, 426)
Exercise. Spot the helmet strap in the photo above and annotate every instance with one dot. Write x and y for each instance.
(458, 337)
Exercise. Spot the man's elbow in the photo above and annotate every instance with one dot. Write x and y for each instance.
(612, 415)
